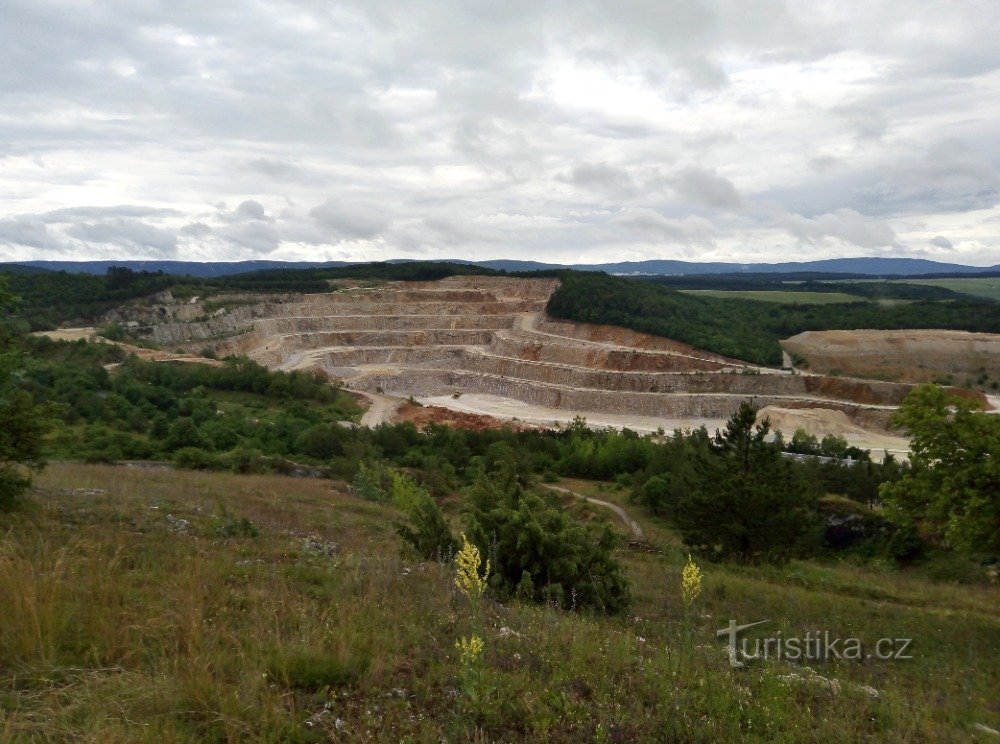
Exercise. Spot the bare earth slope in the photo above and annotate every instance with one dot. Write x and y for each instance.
(911, 355)
(484, 345)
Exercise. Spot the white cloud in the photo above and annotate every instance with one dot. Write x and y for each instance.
(752, 130)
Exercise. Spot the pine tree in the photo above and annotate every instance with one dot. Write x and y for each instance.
(746, 502)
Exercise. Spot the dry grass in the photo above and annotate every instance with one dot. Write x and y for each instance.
(120, 623)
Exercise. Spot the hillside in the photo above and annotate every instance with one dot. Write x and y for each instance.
(749, 330)
(154, 605)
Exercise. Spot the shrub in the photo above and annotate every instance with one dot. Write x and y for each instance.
(427, 531)
(369, 484)
(232, 527)
(193, 458)
(537, 552)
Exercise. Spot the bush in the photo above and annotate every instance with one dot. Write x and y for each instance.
(537, 552)
(370, 484)
(427, 531)
(904, 544)
(193, 458)
(232, 527)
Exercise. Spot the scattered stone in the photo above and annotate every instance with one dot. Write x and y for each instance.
(177, 524)
(315, 545)
(83, 493)
(833, 685)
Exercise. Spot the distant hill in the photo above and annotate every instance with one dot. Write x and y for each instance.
(859, 266)
(9, 268)
(871, 266)
(180, 268)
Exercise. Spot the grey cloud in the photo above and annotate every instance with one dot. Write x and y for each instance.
(440, 125)
(648, 224)
(127, 233)
(942, 242)
(866, 123)
(250, 210)
(277, 169)
(72, 214)
(26, 230)
(706, 187)
(342, 221)
(601, 176)
(844, 224)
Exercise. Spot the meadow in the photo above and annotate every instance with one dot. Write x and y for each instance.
(986, 287)
(150, 604)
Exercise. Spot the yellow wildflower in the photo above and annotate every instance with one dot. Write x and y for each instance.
(690, 582)
(470, 649)
(467, 577)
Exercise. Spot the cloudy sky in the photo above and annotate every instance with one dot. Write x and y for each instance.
(571, 131)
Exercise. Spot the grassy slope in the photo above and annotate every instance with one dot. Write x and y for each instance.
(118, 627)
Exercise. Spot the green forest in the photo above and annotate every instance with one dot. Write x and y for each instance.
(749, 330)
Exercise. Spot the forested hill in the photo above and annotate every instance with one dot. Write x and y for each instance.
(745, 329)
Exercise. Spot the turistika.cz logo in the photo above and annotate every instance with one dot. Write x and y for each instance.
(814, 646)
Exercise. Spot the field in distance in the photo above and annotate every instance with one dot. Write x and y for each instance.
(784, 297)
(987, 287)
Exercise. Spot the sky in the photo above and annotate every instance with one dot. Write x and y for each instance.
(550, 130)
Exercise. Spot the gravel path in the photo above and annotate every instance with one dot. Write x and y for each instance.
(637, 532)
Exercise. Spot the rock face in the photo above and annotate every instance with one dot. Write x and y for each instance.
(910, 355)
(490, 335)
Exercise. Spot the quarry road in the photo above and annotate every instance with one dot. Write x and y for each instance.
(381, 410)
(637, 532)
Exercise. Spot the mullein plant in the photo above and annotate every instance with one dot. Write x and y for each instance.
(690, 583)
(470, 582)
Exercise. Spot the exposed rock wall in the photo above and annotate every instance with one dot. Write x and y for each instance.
(489, 335)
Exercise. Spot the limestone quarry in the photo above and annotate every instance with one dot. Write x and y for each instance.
(483, 345)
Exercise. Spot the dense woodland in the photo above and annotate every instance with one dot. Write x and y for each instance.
(745, 329)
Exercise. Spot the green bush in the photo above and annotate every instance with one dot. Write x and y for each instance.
(536, 551)
(370, 484)
(427, 532)
(232, 527)
(194, 458)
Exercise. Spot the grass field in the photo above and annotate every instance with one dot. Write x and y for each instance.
(168, 606)
(987, 287)
(779, 296)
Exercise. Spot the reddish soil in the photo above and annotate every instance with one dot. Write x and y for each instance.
(421, 416)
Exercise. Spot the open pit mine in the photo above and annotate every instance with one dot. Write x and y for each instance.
(484, 345)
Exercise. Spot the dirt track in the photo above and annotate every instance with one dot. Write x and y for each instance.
(637, 532)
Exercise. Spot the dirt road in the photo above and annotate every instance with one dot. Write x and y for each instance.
(381, 410)
(637, 532)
